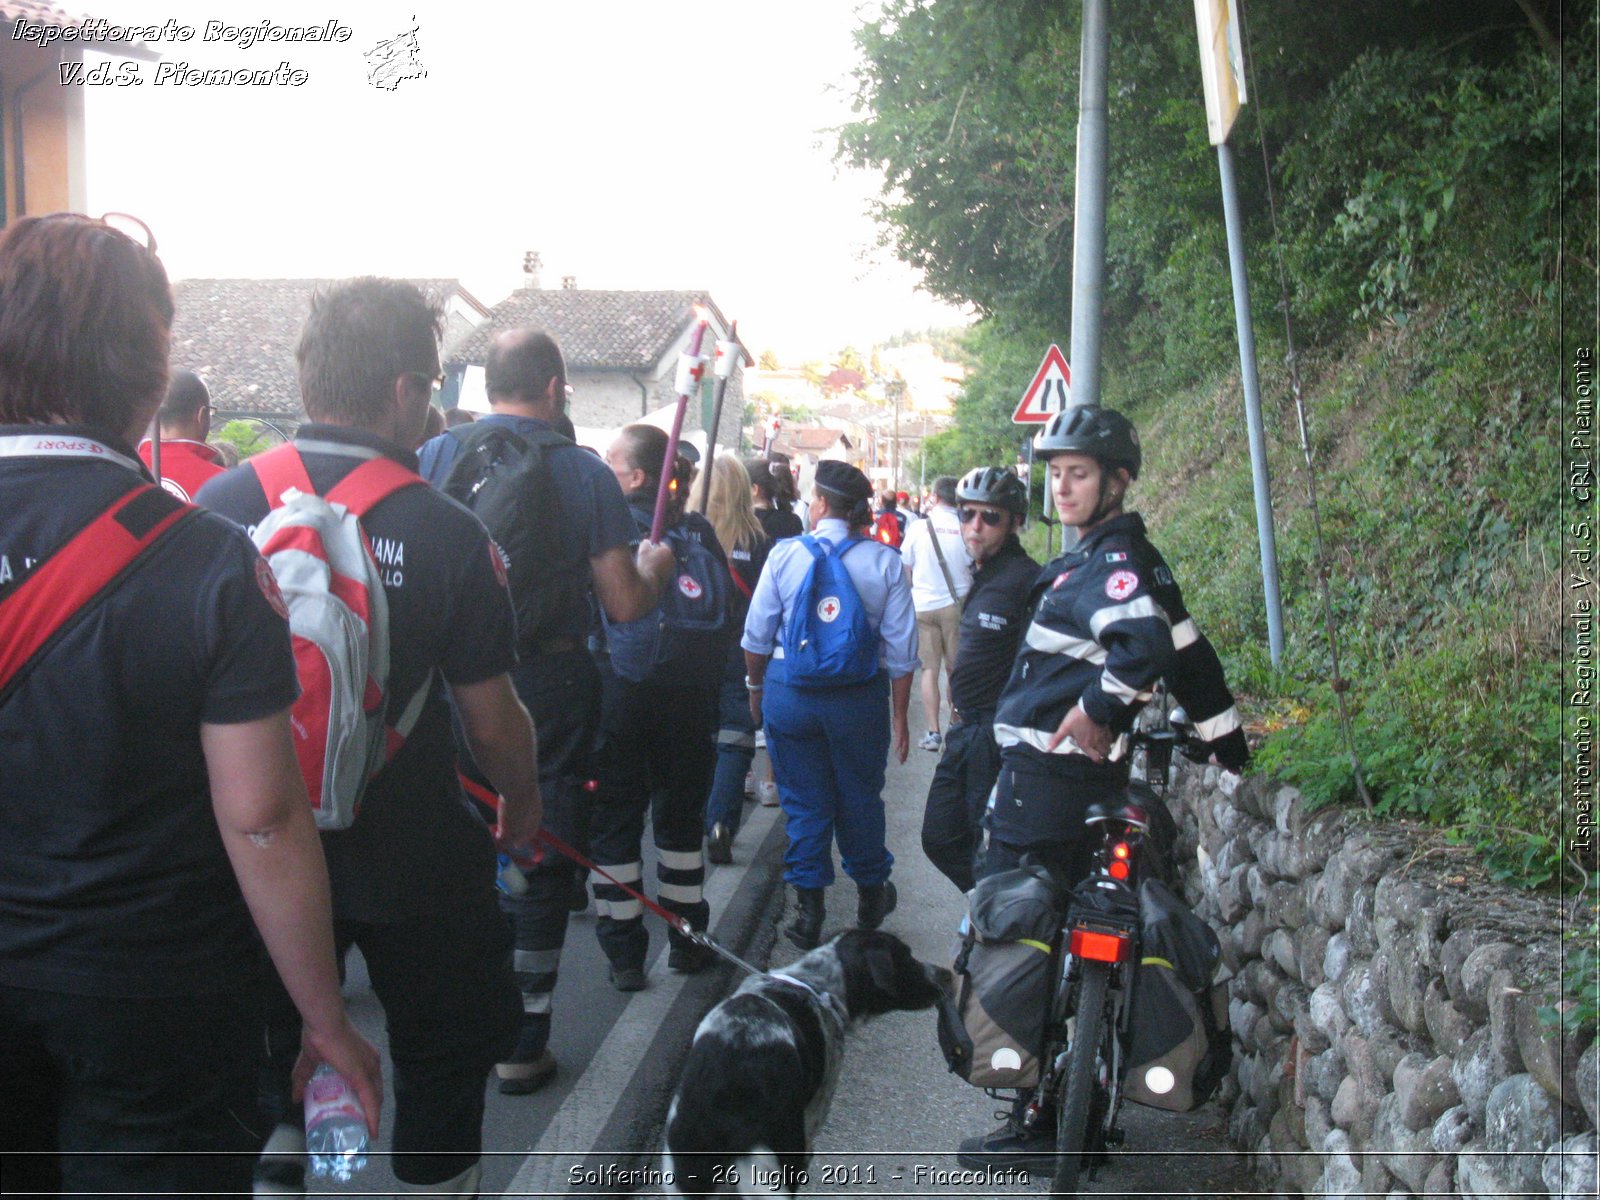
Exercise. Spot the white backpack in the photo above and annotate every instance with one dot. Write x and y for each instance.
(338, 622)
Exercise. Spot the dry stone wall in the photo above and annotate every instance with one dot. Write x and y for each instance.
(1385, 1004)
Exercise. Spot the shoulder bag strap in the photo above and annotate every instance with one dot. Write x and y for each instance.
(279, 470)
(938, 551)
(80, 574)
(373, 481)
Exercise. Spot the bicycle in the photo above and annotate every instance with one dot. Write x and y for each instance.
(1096, 956)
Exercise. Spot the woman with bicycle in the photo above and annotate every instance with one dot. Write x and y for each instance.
(1107, 623)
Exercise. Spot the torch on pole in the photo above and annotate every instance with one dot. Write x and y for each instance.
(728, 355)
(691, 370)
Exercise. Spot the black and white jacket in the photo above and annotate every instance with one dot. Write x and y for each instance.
(1107, 622)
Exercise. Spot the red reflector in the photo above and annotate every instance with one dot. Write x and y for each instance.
(591, 785)
(1101, 947)
(1118, 869)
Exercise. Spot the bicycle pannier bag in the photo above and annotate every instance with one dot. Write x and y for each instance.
(993, 1032)
(1179, 1047)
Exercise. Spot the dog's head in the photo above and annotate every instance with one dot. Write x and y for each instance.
(880, 974)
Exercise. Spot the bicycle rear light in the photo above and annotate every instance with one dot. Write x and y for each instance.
(1099, 947)
(1121, 858)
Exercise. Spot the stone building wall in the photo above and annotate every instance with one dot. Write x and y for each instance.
(1385, 1004)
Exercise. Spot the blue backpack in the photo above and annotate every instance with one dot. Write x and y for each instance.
(827, 641)
(685, 639)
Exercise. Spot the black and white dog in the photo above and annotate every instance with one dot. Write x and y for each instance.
(762, 1070)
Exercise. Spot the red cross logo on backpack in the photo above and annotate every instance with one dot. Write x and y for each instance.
(828, 609)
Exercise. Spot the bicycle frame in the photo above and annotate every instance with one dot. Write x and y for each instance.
(1102, 939)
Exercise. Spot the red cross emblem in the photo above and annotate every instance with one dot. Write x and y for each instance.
(1122, 584)
(828, 609)
(690, 587)
(268, 583)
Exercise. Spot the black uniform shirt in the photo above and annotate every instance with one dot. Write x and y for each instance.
(993, 618)
(449, 613)
(1107, 623)
(113, 877)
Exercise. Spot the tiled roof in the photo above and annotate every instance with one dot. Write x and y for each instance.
(41, 13)
(38, 10)
(810, 438)
(595, 329)
(240, 334)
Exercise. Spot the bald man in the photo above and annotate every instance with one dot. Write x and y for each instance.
(185, 421)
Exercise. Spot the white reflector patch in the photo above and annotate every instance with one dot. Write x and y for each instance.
(1005, 1059)
(1159, 1080)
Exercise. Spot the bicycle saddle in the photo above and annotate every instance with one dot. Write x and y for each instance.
(1126, 812)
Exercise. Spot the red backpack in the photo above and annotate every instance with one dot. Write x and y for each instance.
(886, 529)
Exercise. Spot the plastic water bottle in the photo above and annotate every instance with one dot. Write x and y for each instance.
(509, 877)
(336, 1126)
(511, 873)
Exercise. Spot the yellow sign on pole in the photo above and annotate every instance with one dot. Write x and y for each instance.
(1221, 64)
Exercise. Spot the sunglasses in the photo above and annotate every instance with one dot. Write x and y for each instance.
(126, 224)
(989, 517)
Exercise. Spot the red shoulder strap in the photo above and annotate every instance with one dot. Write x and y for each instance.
(282, 468)
(79, 573)
(374, 480)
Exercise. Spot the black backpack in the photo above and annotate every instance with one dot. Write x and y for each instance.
(504, 478)
(684, 639)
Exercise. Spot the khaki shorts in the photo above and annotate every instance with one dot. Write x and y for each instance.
(938, 631)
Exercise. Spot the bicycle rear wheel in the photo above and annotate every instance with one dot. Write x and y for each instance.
(1077, 1093)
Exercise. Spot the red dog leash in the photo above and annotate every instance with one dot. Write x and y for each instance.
(491, 799)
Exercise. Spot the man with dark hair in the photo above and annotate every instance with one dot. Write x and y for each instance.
(593, 561)
(154, 811)
(185, 421)
(413, 877)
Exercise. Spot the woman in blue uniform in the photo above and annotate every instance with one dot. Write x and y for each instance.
(829, 742)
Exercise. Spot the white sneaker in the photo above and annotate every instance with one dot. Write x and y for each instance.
(930, 741)
(768, 792)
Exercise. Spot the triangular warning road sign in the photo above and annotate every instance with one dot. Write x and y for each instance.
(1049, 393)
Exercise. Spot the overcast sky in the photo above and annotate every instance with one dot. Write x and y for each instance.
(635, 144)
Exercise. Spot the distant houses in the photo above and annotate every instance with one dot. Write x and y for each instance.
(621, 347)
(240, 336)
(622, 350)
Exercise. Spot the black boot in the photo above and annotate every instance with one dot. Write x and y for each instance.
(805, 930)
(877, 901)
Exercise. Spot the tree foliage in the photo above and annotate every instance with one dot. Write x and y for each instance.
(1426, 173)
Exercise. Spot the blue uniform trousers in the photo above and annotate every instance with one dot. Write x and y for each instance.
(736, 747)
(829, 747)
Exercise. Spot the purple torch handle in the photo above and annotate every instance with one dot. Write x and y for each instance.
(658, 523)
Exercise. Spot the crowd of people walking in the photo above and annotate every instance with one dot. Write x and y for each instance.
(556, 675)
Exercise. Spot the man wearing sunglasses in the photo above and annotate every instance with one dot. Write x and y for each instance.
(993, 503)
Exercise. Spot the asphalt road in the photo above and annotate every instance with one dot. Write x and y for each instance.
(898, 1114)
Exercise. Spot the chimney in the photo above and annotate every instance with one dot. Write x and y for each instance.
(569, 283)
(532, 263)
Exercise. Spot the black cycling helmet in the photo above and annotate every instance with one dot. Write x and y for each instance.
(998, 486)
(1101, 433)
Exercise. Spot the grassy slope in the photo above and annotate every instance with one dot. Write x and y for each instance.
(1436, 445)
